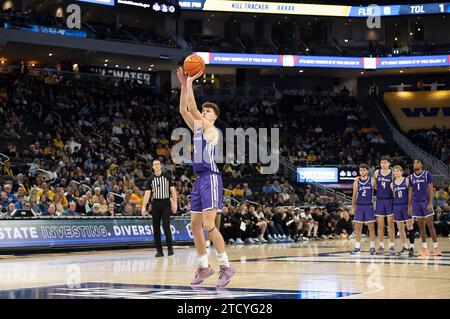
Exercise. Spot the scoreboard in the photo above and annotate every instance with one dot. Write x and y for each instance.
(399, 10)
(291, 8)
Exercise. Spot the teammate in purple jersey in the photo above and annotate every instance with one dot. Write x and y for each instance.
(362, 207)
(384, 205)
(420, 203)
(400, 188)
(206, 197)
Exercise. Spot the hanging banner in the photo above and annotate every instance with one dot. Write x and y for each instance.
(419, 110)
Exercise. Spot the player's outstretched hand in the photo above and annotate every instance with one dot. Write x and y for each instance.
(195, 77)
(182, 76)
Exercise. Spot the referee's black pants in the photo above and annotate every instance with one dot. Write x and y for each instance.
(161, 210)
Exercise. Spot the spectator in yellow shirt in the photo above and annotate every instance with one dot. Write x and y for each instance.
(45, 190)
(311, 157)
(57, 141)
(238, 191)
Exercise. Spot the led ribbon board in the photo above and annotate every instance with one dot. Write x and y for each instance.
(238, 59)
(314, 9)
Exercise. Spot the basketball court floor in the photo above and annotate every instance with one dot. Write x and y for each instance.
(319, 269)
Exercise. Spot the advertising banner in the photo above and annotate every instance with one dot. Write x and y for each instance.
(128, 75)
(317, 174)
(42, 29)
(419, 110)
(413, 61)
(27, 233)
(329, 62)
(102, 2)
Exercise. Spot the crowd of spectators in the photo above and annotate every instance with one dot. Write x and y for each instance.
(435, 141)
(92, 158)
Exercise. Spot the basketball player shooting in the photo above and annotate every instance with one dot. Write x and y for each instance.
(206, 197)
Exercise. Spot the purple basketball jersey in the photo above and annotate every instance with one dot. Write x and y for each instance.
(384, 190)
(203, 154)
(400, 192)
(365, 192)
(419, 184)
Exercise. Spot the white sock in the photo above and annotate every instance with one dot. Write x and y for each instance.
(424, 245)
(357, 245)
(435, 245)
(411, 245)
(391, 245)
(223, 259)
(372, 244)
(382, 244)
(203, 261)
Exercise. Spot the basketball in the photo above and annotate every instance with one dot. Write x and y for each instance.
(194, 64)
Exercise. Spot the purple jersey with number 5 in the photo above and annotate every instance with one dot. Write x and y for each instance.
(419, 184)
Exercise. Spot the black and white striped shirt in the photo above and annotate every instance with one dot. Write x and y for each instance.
(160, 185)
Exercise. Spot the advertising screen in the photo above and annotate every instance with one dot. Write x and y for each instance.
(317, 174)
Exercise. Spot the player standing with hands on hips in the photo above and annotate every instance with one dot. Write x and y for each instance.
(159, 187)
(206, 198)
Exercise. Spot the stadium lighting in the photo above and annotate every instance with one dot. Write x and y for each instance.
(117, 65)
(418, 29)
(152, 65)
(301, 71)
(106, 64)
(410, 33)
(395, 39)
(106, 60)
(346, 40)
(139, 68)
(362, 72)
(150, 69)
(50, 54)
(128, 66)
(401, 71)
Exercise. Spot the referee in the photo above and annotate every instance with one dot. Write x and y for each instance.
(160, 185)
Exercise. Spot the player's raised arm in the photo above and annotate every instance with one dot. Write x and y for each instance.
(192, 105)
(187, 117)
